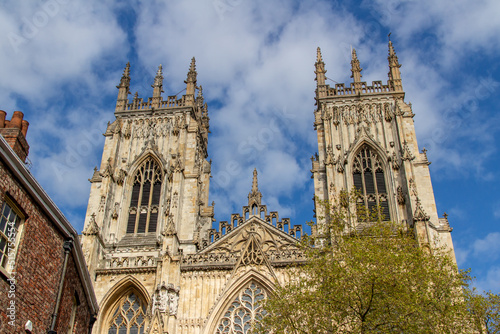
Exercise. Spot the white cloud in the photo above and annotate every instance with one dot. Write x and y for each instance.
(490, 281)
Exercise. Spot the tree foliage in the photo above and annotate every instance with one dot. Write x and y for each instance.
(374, 278)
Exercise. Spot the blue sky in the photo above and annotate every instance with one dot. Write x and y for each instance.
(61, 60)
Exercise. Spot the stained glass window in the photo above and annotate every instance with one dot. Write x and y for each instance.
(145, 199)
(244, 312)
(369, 179)
(128, 316)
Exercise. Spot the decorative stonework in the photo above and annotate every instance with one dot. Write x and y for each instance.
(420, 215)
(244, 311)
(165, 299)
(92, 228)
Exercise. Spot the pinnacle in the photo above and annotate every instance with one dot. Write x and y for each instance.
(192, 68)
(159, 72)
(126, 72)
(353, 54)
(255, 186)
(318, 55)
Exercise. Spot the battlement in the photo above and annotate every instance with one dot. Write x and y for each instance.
(357, 88)
(171, 102)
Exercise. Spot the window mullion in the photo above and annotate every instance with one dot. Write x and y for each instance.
(150, 200)
(377, 200)
(139, 203)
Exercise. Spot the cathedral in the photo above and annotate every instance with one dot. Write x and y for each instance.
(155, 260)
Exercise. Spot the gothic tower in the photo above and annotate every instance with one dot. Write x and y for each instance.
(366, 139)
(148, 201)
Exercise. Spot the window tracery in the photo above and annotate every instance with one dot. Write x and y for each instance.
(244, 312)
(145, 199)
(369, 179)
(128, 316)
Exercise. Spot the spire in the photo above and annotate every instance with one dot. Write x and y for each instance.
(191, 81)
(355, 67)
(395, 83)
(123, 89)
(255, 196)
(320, 69)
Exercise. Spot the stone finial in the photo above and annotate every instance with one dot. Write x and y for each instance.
(320, 69)
(355, 67)
(318, 55)
(123, 89)
(395, 83)
(255, 196)
(191, 82)
(158, 83)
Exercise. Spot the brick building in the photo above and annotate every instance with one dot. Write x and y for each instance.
(45, 286)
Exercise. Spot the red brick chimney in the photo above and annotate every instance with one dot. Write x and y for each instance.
(14, 132)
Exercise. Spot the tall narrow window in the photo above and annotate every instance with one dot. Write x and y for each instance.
(145, 199)
(128, 316)
(10, 222)
(244, 311)
(369, 179)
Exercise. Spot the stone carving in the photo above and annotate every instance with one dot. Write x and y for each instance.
(420, 215)
(175, 200)
(102, 203)
(413, 188)
(127, 131)
(401, 196)
(165, 299)
(96, 177)
(108, 171)
(116, 210)
(406, 152)
(330, 159)
(395, 161)
(387, 112)
(120, 177)
(170, 228)
(92, 228)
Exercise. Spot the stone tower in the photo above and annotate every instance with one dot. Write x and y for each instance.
(366, 139)
(149, 199)
(158, 266)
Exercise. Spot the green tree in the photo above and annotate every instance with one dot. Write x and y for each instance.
(484, 311)
(374, 279)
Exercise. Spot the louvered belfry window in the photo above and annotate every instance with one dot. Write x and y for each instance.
(145, 200)
(369, 179)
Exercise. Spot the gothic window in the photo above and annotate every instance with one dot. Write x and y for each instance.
(10, 223)
(244, 312)
(128, 316)
(145, 200)
(369, 180)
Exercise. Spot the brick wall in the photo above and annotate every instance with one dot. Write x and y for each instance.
(39, 263)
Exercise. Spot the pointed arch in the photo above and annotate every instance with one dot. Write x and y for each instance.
(146, 154)
(128, 296)
(250, 289)
(145, 183)
(369, 169)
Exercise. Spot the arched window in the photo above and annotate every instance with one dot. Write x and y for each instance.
(244, 312)
(369, 179)
(128, 316)
(145, 200)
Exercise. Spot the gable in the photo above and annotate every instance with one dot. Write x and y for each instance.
(278, 248)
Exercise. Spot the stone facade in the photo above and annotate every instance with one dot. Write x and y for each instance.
(30, 279)
(360, 120)
(148, 238)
